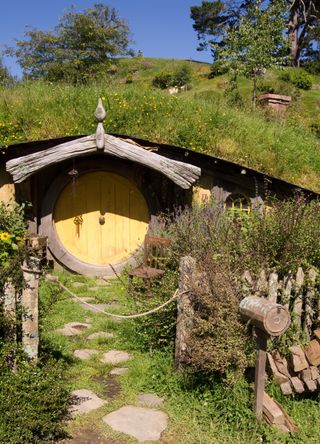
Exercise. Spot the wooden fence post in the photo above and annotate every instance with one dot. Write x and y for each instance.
(30, 296)
(268, 319)
(185, 309)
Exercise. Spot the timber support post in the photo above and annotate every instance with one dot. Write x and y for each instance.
(268, 319)
(185, 310)
(32, 269)
(10, 315)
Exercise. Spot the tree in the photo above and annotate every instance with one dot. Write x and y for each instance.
(303, 20)
(213, 19)
(80, 46)
(256, 43)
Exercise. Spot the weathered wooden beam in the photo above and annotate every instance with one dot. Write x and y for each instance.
(183, 174)
(29, 302)
(185, 313)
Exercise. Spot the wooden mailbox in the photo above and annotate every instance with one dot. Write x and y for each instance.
(268, 319)
(272, 319)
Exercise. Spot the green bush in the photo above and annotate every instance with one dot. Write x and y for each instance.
(12, 242)
(297, 76)
(273, 86)
(33, 403)
(162, 80)
(179, 78)
(225, 244)
(218, 69)
(313, 67)
(301, 79)
(182, 76)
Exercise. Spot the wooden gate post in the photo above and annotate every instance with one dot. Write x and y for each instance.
(268, 319)
(185, 309)
(30, 297)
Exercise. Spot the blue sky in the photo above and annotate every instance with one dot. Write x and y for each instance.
(160, 28)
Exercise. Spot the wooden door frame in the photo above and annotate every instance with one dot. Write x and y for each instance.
(47, 226)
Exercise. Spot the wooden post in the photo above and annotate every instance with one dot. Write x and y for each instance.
(30, 295)
(30, 311)
(260, 371)
(185, 309)
(268, 319)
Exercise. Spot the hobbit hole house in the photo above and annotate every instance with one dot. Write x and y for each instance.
(94, 196)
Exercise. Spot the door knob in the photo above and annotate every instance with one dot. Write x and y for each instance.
(102, 220)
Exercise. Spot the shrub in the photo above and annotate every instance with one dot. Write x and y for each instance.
(298, 77)
(276, 87)
(301, 79)
(12, 249)
(182, 76)
(218, 69)
(225, 244)
(313, 67)
(33, 403)
(162, 80)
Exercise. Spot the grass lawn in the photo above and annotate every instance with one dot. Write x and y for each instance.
(200, 412)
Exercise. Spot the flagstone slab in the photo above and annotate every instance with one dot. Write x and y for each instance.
(84, 401)
(102, 282)
(78, 284)
(85, 353)
(94, 307)
(150, 400)
(73, 328)
(115, 357)
(100, 334)
(118, 371)
(86, 299)
(141, 423)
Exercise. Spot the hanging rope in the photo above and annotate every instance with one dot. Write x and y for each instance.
(56, 280)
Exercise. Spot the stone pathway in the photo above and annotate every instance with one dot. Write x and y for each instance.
(85, 353)
(84, 401)
(100, 334)
(115, 357)
(118, 371)
(73, 328)
(141, 423)
(144, 422)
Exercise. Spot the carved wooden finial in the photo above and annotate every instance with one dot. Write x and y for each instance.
(100, 115)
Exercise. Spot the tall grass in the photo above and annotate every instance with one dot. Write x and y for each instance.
(203, 122)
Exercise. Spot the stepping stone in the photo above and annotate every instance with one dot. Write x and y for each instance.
(73, 328)
(85, 299)
(141, 423)
(78, 284)
(85, 353)
(101, 282)
(150, 400)
(84, 401)
(115, 357)
(118, 371)
(94, 289)
(94, 306)
(114, 305)
(100, 334)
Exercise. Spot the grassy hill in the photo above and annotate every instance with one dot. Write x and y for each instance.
(200, 118)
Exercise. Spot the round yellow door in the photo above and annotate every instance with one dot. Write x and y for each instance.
(101, 219)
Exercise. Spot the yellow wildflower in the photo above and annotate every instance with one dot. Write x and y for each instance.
(4, 236)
